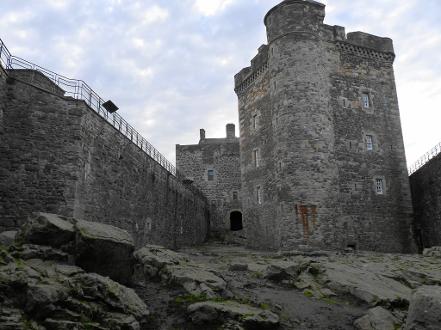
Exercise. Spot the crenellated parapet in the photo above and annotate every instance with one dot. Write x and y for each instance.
(366, 40)
(303, 20)
(259, 64)
(367, 46)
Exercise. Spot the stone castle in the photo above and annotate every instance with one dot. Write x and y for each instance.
(319, 162)
(321, 156)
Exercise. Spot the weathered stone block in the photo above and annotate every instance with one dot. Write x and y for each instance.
(47, 229)
(425, 309)
(104, 249)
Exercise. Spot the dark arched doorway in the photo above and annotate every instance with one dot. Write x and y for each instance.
(236, 221)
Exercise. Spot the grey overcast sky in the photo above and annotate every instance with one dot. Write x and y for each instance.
(169, 64)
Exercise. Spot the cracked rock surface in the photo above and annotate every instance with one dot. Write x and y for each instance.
(53, 275)
(211, 286)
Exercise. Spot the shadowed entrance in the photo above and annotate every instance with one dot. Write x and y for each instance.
(236, 221)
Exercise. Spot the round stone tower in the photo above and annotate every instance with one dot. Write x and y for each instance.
(305, 174)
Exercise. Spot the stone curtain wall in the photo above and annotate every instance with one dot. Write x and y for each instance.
(221, 155)
(59, 156)
(120, 185)
(426, 191)
(38, 154)
(2, 98)
(318, 178)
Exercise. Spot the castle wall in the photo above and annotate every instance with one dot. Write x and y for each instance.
(318, 177)
(370, 221)
(120, 185)
(2, 97)
(426, 191)
(260, 225)
(59, 156)
(223, 192)
(38, 153)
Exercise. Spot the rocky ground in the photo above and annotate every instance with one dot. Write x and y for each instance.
(60, 273)
(298, 290)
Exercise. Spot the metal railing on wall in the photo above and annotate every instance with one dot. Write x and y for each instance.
(435, 151)
(79, 90)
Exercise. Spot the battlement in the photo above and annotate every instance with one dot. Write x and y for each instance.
(360, 51)
(304, 18)
(294, 16)
(366, 40)
(306, 3)
(247, 75)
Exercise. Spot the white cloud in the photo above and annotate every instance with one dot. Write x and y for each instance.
(211, 7)
(58, 4)
(154, 14)
(171, 72)
(223, 60)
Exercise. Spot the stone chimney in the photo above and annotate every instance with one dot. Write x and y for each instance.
(202, 134)
(231, 131)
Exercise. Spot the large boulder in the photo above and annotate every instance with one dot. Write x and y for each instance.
(116, 296)
(367, 286)
(377, 318)
(95, 247)
(46, 294)
(105, 250)
(47, 229)
(425, 309)
(218, 313)
(171, 268)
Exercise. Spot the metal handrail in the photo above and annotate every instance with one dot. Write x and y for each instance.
(79, 90)
(435, 151)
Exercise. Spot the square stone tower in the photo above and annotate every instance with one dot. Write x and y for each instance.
(322, 154)
(213, 166)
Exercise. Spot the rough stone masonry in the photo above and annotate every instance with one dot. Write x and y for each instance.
(59, 156)
(213, 165)
(331, 167)
(320, 160)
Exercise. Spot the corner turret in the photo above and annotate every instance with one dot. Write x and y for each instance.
(301, 16)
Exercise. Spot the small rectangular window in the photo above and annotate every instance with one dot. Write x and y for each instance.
(256, 157)
(259, 195)
(210, 175)
(366, 100)
(379, 186)
(235, 195)
(254, 121)
(369, 143)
